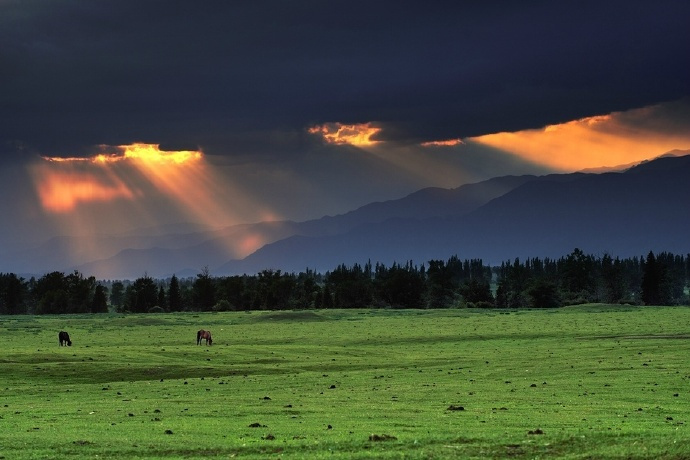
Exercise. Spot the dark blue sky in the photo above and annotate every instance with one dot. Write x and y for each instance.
(250, 76)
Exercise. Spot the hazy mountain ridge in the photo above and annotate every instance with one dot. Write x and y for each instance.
(624, 214)
(159, 254)
(496, 220)
(624, 167)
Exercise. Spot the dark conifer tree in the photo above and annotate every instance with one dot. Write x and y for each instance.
(651, 281)
(117, 295)
(204, 291)
(145, 294)
(100, 300)
(162, 299)
(13, 292)
(174, 295)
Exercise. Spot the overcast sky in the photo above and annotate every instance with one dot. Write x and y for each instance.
(272, 94)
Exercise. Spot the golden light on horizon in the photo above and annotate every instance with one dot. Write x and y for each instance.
(338, 133)
(591, 142)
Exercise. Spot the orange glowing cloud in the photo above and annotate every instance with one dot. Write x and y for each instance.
(62, 191)
(337, 133)
(148, 153)
(152, 154)
(445, 143)
(616, 139)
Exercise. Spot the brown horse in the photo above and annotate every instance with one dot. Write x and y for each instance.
(201, 335)
(63, 337)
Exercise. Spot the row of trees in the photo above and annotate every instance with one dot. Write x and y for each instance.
(53, 293)
(660, 279)
(441, 284)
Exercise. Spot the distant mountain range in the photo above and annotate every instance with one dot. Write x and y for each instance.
(625, 213)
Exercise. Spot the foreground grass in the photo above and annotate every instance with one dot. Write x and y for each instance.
(578, 382)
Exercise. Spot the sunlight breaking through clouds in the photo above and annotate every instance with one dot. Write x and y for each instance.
(595, 142)
(127, 187)
(64, 182)
(620, 138)
(62, 191)
(410, 161)
(149, 153)
(338, 133)
(137, 183)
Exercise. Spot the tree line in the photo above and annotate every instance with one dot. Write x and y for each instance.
(657, 279)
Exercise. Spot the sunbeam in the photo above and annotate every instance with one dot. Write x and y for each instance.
(141, 184)
(63, 190)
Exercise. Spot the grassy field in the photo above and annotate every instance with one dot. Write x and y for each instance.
(578, 382)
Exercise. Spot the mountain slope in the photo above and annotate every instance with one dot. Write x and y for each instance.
(624, 214)
(163, 255)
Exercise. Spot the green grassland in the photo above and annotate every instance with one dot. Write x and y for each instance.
(590, 381)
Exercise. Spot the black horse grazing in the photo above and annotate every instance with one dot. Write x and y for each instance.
(64, 339)
(202, 334)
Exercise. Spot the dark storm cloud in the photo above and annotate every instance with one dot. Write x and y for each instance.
(666, 119)
(237, 77)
